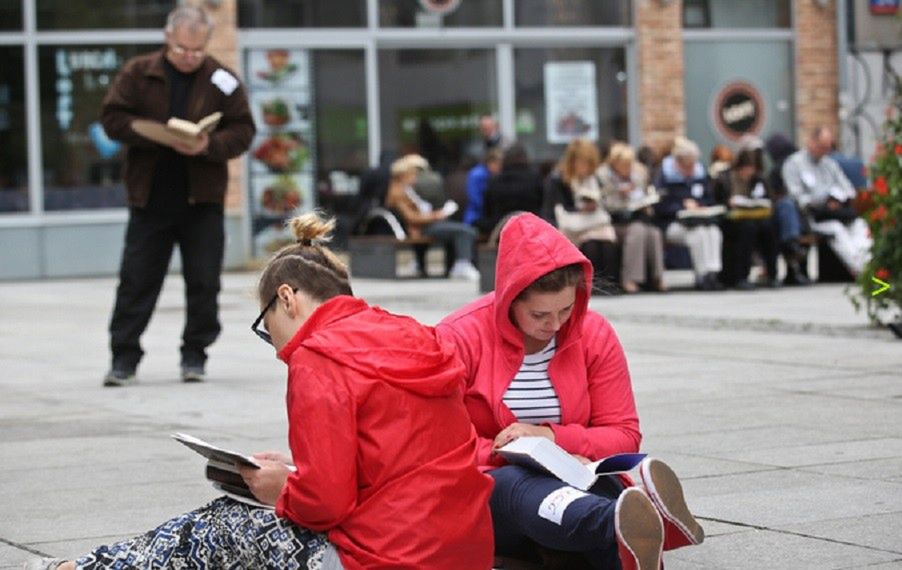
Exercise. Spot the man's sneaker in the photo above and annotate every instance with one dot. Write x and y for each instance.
(119, 377)
(193, 374)
(464, 269)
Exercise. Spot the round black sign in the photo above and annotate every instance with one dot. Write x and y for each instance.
(738, 110)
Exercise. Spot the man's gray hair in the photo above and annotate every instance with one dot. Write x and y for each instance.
(191, 16)
(684, 149)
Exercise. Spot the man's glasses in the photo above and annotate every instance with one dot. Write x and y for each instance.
(182, 52)
(263, 334)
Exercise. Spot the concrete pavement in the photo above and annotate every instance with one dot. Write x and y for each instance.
(781, 411)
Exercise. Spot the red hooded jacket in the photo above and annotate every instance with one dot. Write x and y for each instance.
(384, 450)
(588, 370)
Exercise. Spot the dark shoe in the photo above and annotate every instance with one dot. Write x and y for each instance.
(120, 377)
(666, 492)
(744, 285)
(794, 276)
(639, 531)
(713, 282)
(193, 374)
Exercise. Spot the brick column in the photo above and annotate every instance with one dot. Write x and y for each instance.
(224, 47)
(659, 27)
(817, 72)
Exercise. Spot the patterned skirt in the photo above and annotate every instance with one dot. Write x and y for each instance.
(223, 534)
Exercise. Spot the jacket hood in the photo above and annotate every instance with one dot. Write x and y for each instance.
(529, 248)
(671, 173)
(379, 345)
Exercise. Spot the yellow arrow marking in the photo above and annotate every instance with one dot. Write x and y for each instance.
(884, 286)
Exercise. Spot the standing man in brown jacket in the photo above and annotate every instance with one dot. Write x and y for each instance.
(175, 193)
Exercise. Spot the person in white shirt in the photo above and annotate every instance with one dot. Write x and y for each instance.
(824, 193)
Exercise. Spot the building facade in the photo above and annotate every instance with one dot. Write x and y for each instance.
(336, 84)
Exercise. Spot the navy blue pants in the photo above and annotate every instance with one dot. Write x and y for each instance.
(787, 219)
(586, 525)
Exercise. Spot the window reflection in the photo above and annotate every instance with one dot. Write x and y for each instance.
(13, 159)
(301, 13)
(731, 14)
(536, 99)
(415, 14)
(82, 167)
(102, 14)
(10, 14)
(572, 12)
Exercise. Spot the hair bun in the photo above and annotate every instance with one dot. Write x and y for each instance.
(311, 227)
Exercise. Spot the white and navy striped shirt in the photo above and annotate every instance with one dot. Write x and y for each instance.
(531, 396)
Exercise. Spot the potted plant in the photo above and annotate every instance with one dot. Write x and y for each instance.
(881, 207)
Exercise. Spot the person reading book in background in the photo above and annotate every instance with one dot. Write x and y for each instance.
(584, 221)
(686, 188)
(749, 227)
(175, 193)
(384, 449)
(626, 193)
(540, 363)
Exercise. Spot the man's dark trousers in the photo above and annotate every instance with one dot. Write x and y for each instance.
(199, 231)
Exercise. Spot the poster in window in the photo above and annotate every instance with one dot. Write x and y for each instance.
(571, 108)
(281, 161)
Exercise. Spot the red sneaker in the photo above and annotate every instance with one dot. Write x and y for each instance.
(640, 532)
(664, 489)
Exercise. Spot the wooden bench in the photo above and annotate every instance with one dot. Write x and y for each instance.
(377, 256)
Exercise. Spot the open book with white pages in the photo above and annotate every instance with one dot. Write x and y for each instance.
(543, 454)
(223, 468)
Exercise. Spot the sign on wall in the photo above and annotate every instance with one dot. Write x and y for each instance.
(571, 101)
(884, 7)
(281, 161)
(738, 110)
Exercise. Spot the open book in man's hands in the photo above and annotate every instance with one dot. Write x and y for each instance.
(543, 454)
(223, 468)
(175, 131)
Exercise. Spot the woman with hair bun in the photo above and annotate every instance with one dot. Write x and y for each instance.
(383, 448)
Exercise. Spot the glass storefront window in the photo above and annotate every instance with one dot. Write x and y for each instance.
(732, 14)
(13, 158)
(569, 92)
(102, 14)
(302, 13)
(311, 145)
(10, 14)
(82, 167)
(431, 101)
(440, 14)
(572, 13)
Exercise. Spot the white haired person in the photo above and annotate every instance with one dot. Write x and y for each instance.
(383, 451)
(817, 183)
(684, 186)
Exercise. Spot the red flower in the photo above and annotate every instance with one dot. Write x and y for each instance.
(880, 186)
(882, 273)
(878, 214)
(899, 149)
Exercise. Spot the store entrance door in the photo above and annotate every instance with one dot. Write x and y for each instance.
(735, 88)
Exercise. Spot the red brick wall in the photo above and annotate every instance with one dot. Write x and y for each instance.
(817, 72)
(660, 60)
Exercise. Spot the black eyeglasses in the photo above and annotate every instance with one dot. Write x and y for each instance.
(256, 326)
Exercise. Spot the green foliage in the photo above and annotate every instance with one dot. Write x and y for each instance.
(881, 208)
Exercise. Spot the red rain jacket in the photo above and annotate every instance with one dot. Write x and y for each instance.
(588, 371)
(384, 450)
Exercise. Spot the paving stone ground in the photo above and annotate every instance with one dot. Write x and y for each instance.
(781, 410)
